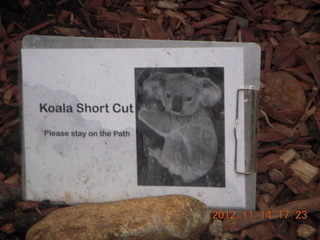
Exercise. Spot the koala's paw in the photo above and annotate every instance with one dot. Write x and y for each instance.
(142, 113)
(155, 152)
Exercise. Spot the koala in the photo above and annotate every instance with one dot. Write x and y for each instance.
(190, 142)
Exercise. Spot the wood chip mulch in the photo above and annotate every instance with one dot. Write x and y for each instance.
(288, 32)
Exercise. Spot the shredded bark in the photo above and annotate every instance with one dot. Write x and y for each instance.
(288, 128)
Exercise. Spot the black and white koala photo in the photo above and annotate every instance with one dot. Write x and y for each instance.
(176, 121)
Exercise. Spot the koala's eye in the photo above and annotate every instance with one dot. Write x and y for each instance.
(168, 95)
(189, 99)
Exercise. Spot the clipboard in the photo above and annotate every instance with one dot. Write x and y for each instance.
(85, 138)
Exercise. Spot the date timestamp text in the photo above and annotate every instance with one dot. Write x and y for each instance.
(299, 214)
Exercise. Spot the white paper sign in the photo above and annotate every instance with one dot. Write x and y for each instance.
(104, 124)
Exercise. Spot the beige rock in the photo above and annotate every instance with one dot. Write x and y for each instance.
(276, 175)
(306, 231)
(282, 97)
(216, 228)
(165, 217)
(267, 188)
(227, 236)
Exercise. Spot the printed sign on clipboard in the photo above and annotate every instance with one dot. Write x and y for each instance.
(111, 119)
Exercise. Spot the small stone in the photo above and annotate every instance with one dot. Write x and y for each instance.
(164, 217)
(267, 188)
(266, 197)
(216, 228)
(283, 97)
(306, 231)
(227, 236)
(276, 175)
(242, 22)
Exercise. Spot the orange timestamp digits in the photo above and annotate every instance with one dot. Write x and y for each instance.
(224, 214)
(299, 214)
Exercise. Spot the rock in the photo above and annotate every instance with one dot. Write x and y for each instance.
(165, 217)
(306, 231)
(282, 97)
(227, 236)
(267, 187)
(276, 175)
(216, 228)
(266, 197)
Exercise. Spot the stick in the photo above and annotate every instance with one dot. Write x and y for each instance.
(31, 30)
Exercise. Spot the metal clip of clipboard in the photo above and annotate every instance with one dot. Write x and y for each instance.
(250, 99)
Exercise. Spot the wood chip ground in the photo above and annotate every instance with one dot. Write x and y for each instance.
(288, 32)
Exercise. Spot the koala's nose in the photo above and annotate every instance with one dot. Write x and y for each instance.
(177, 104)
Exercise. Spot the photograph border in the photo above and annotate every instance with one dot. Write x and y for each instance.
(150, 171)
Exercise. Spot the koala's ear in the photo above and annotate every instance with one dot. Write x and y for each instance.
(210, 93)
(154, 85)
